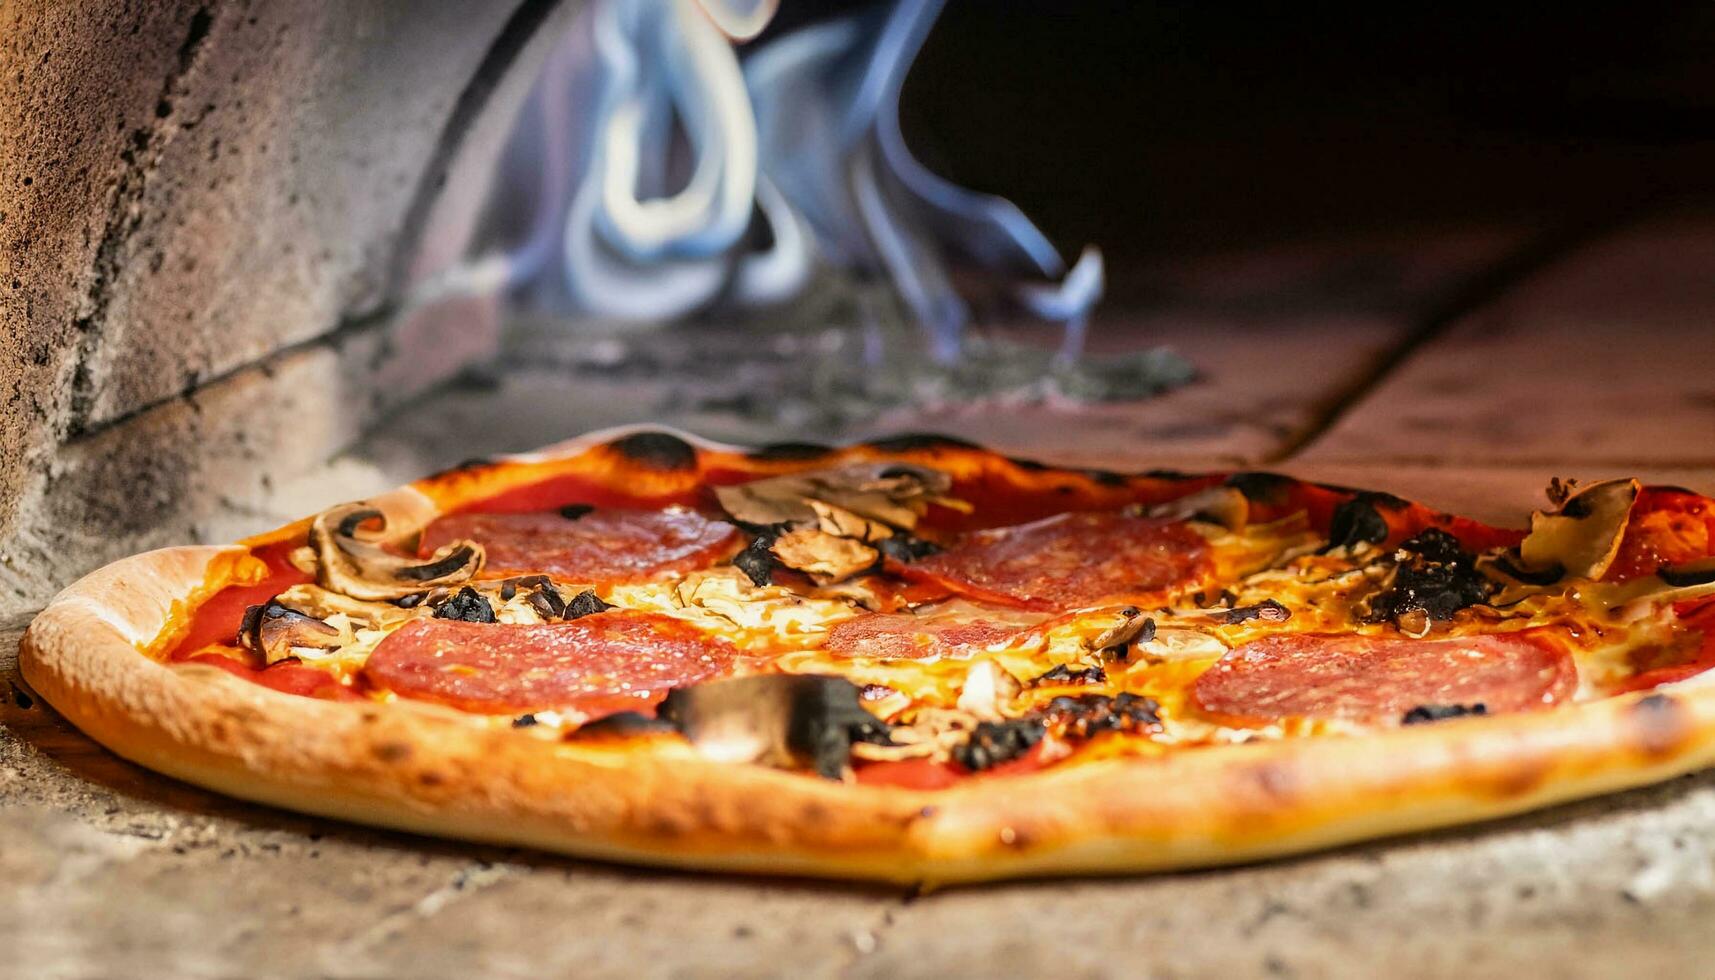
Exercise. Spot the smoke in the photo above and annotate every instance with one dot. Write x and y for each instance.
(675, 169)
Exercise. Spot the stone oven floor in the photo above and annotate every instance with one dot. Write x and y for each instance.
(1464, 371)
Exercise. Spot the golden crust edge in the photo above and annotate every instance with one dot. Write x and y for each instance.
(425, 771)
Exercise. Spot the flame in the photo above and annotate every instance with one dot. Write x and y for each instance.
(658, 147)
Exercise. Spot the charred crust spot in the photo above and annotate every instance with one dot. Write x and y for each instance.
(572, 512)
(1425, 713)
(431, 777)
(465, 466)
(1276, 780)
(995, 742)
(910, 442)
(1358, 521)
(1660, 724)
(1259, 487)
(391, 752)
(466, 605)
(783, 452)
(657, 451)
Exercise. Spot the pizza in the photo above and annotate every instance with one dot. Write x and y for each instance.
(912, 660)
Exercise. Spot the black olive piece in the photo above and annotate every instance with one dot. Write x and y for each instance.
(524, 721)
(1439, 712)
(466, 605)
(994, 742)
(585, 603)
(572, 512)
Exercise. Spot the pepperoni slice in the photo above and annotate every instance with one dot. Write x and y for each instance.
(900, 636)
(1069, 560)
(1379, 679)
(595, 665)
(602, 546)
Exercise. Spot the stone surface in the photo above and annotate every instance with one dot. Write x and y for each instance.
(1608, 356)
(262, 187)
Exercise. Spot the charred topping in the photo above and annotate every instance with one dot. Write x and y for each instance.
(1688, 574)
(1261, 488)
(1064, 674)
(548, 602)
(585, 603)
(757, 560)
(995, 742)
(1435, 576)
(1107, 478)
(523, 721)
(1440, 712)
(657, 451)
(1358, 521)
(572, 512)
(905, 549)
(1088, 715)
(466, 605)
(1268, 610)
(791, 720)
(411, 601)
(508, 590)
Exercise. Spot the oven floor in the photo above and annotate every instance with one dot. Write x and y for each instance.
(1463, 371)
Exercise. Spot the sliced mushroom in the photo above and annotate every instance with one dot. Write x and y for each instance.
(351, 557)
(823, 556)
(1583, 536)
(864, 500)
(1225, 506)
(1133, 625)
(273, 630)
(789, 721)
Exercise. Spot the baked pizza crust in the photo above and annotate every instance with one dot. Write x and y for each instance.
(419, 768)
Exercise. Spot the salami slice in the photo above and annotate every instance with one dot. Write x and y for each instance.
(1069, 560)
(594, 665)
(900, 636)
(1379, 679)
(597, 547)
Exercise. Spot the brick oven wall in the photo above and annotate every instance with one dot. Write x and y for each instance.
(208, 212)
